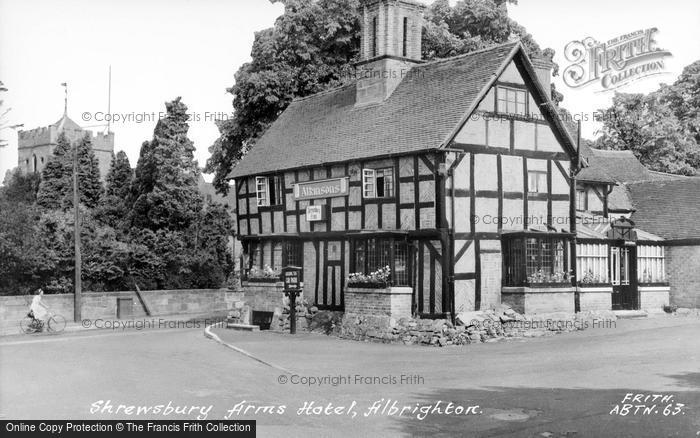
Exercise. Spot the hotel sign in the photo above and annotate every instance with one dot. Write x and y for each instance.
(326, 188)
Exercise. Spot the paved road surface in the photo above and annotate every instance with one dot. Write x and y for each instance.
(564, 385)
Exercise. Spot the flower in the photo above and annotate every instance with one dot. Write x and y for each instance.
(380, 276)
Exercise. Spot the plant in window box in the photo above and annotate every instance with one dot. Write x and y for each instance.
(555, 278)
(377, 279)
(266, 274)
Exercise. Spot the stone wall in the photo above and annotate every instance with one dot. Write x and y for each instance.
(393, 301)
(265, 296)
(682, 264)
(96, 305)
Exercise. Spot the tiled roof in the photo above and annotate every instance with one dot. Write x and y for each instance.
(612, 166)
(669, 208)
(420, 114)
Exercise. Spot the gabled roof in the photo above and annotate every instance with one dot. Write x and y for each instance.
(669, 208)
(422, 113)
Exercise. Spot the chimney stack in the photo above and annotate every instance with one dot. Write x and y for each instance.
(390, 45)
(543, 69)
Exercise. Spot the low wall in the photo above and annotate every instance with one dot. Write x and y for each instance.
(265, 296)
(653, 298)
(391, 301)
(96, 305)
(528, 300)
(595, 298)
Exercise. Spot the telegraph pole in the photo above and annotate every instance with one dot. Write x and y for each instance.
(77, 314)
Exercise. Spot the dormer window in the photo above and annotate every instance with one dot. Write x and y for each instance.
(268, 190)
(511, 101)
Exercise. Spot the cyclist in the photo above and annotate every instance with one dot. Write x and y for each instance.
(38, 310)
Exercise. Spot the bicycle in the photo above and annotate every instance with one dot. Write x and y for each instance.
(54, 324)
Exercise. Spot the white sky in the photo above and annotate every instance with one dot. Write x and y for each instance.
(161, 49)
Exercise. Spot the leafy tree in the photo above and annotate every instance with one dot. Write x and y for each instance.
(56, 176)
(20, 187)
(648, 125)
(683, 98)
(165, 189)
(313, 46)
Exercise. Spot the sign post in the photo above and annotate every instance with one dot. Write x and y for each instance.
(291, 276)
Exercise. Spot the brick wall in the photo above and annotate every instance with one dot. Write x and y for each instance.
(393, 301)
(531, 301)
(682, 264)
(595, 299)
(653, 298)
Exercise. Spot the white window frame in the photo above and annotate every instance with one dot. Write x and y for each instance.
(369, 183)
(506, 105)
(540, 181)
(651, 264)
(581, 199)
(262, 191)
(592, 257)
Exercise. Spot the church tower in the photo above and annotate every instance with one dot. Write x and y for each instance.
(390, 45)
(35, 146)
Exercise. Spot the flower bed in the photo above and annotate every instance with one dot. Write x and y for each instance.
(264, 275)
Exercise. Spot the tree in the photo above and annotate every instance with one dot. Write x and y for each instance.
(20, 187)
(313, 46)
(56, 188)
(660, 128)
(165, 185)
(114, 207)
(3, 115)
(89, 184)
(56, 176)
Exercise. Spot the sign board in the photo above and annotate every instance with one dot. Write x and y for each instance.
(326, 188)
(315, 213)
(291, 276)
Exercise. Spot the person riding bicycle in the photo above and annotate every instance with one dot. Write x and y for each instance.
(38, 310)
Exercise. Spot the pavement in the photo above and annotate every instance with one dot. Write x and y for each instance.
(573, 384)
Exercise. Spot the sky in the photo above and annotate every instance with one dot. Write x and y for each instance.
(161, 49)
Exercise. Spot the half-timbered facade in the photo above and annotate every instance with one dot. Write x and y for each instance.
(457, 174)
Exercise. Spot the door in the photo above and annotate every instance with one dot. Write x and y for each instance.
(332, 287)
(623, 273)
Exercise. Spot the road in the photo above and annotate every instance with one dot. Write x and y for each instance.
(563, 385)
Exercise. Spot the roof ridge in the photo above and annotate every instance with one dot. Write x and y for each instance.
(427, 63)
(465, 55)
(322, 92)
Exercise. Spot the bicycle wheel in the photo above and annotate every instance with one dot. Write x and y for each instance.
(27, 325)
(56, 324)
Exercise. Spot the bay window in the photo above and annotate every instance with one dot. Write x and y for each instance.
(532, 259)
(372, 254)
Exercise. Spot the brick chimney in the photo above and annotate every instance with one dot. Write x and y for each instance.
(543, 69)
(390, 44)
